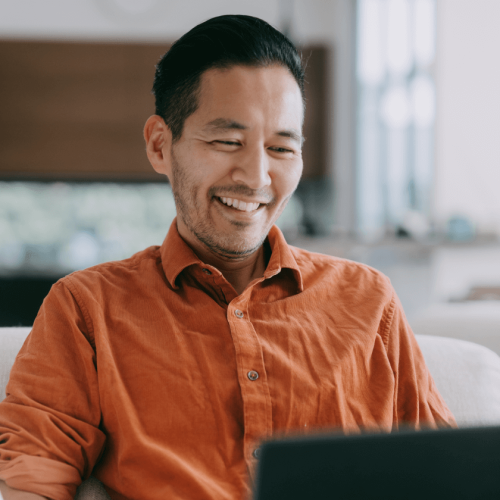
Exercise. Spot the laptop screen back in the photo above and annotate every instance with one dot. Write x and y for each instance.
(454, 464)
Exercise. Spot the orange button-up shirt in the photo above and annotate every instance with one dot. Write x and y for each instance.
(153, 374)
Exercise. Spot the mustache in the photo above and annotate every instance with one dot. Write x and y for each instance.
(261, 194)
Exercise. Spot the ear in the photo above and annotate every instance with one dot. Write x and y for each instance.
(158, 137)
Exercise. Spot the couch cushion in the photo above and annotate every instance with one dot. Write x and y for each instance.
(11, 340)
(467, 376)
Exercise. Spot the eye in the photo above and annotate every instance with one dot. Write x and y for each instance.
(281, 150)
(226, 143)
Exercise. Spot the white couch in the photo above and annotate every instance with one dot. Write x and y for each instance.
(466, 374)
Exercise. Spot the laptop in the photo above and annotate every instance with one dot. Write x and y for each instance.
(406, 465)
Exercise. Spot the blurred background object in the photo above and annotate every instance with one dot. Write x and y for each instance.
(401, 159)
(396, 112)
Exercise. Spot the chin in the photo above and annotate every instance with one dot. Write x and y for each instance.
(231, 246)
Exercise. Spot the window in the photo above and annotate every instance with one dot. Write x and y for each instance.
(395, 121)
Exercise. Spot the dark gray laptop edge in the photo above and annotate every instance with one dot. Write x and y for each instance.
(429, 464)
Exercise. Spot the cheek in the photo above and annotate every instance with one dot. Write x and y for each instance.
(195, 172)
(209, 166)
(286, 180)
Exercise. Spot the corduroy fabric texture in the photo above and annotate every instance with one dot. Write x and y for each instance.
(466, 374)
(155, 376)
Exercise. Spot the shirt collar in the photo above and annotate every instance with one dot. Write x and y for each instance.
(176, 255)
(281, 257)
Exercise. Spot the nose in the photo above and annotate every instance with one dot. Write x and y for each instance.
(252, 168)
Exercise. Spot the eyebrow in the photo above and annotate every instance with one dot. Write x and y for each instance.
(227, 124)
(224, 124)
(292, 134)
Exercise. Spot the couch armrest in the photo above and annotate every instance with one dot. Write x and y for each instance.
(468, 377)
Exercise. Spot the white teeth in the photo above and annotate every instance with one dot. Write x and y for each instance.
(240, 205)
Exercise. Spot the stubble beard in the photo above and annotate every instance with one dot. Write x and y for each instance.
(203, 228)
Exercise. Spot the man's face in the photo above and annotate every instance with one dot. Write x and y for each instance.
(239, 159)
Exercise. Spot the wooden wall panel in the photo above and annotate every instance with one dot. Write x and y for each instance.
(75, 111)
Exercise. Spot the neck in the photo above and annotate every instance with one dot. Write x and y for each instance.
(242, 272)
(238, 271)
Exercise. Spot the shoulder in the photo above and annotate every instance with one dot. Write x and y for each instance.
(340, 272)
(361, 297)
(139, 268)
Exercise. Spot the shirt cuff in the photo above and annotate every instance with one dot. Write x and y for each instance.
(42, 476)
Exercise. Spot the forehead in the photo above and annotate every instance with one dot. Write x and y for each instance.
(241, 92)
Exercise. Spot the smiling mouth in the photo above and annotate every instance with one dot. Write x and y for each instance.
(239, 205)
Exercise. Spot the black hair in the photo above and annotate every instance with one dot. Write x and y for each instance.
(220, 42)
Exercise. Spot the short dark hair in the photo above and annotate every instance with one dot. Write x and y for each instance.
(220, 42)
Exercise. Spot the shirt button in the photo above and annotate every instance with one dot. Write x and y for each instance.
(207, 271)
(256, 453)
(253, 375)
(238, 313)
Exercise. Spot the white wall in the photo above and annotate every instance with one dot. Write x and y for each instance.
(468, 119)
(167, 19)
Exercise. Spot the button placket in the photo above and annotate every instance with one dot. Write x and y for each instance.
(254, 386)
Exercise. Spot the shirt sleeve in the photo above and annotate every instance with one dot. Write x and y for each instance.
(417, 402)
(49, 422)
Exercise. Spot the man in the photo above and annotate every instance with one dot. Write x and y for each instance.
(161, 374)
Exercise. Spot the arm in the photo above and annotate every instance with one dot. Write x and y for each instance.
(11, 494)
(417, 402)
(49, 422)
